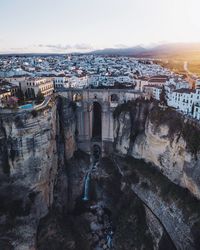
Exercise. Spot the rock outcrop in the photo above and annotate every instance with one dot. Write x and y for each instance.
(175, 208)
(31, 153)
(138, 200)
(113, 217)
(162, 137)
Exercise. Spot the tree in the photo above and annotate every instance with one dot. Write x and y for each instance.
(21, 97)
(163, 97)
(39, 97)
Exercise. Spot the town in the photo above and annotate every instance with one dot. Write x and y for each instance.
(28, 81)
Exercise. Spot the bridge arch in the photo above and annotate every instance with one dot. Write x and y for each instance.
(97, 121)
(77, 97)
(114, 98)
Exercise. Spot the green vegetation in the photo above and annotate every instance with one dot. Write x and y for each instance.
(125, 107)
(158, 183)
(39, 97)
(177, 126)
(73, 106)
(191, 134)
(132, 231)
(163, 97)
(34, 113)
(6, 167)
(18, 121)
(21, 97)
(129, 106)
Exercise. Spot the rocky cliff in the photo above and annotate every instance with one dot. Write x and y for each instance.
(32, 150)
(169, 180)
(162, 137)
(138, 200)
(113, 217)
(175, 207)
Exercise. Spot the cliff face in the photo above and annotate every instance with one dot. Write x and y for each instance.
(67, 113)
(175, 207)
(30, 156)
(163, 138)
(41, 177)
(112, 209)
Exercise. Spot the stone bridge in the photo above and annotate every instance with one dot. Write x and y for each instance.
(95, 125)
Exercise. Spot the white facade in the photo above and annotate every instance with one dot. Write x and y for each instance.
(196, 113)
(78, 82)
(32, 86)
(61, 82)
(185, 99)
(157, 92)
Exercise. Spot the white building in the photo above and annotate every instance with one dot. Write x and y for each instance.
(78, 82)
(187, 101)
(31, 86)
(156, 92)
(196, 112)
(60, 82)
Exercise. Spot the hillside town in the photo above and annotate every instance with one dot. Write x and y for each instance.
(26, 81)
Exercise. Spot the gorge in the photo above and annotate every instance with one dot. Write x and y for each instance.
(140, 191)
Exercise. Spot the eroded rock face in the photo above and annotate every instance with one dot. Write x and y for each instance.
(112, 218)
(175, 207)
(42, 182)
(141, 133)
(31, 152)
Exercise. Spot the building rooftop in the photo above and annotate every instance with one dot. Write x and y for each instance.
(184, 90)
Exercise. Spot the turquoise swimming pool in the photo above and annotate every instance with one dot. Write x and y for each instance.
(27, 106)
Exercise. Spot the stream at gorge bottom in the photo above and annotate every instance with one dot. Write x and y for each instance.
(105, 214)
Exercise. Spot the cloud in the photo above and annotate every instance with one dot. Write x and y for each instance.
(119, 46)
(83, 46)
(55, 46)
(64, 48)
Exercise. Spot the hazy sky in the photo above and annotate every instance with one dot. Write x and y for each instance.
(74, 25)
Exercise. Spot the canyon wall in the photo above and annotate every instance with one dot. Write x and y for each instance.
(161, 152)
(164, 138)
(42, 181)
(175, 207)
(32, 150)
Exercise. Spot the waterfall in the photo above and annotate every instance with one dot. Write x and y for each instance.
(109, 239)
(87, 181)
(86, 187)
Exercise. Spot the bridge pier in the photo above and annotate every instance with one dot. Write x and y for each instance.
(107, 99)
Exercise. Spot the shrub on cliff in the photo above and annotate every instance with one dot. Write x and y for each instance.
(73, 106)
(34, 113)
(125, 107)
(163, 97)
(191, 135)
(39, 97)
(177, 126)
(129, 106)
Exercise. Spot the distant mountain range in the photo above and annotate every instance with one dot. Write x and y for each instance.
(178, 50)
(160, 50)
(120, 51)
